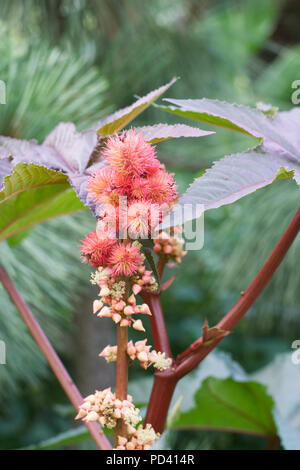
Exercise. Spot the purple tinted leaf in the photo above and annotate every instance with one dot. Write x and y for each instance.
(230, 179)
(23, 151)
(118, 120)
(73, 147)
(162, 132)
(65, 150)
(6, 168)
(235, 176)
(281, 132)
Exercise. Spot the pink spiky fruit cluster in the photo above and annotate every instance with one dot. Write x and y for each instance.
(134, 172)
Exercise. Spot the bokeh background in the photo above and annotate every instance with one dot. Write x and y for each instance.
(78, 60)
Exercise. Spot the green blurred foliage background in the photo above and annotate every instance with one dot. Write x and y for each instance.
(78, 60)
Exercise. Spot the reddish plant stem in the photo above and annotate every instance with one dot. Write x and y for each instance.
(161, 265)
(165, 382)
(161, 396)
(157, 321)
(52, 358)
(121, 377)
(246, 300)
(273, 442)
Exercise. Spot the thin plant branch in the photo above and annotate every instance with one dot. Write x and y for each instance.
(53, 360)
(197, 351)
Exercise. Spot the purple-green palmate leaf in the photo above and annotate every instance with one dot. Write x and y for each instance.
(64, 150)
(69, 151)
(76, 155)
(276, 156)
(121, 118)
(161, 132)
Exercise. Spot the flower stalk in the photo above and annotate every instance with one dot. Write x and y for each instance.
(121, 378)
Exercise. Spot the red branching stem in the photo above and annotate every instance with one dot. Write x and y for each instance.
(121, 377)
(157, 321)
(161, 265)
(161, 396)
(236, 313)
(165, 382)
(52, 358)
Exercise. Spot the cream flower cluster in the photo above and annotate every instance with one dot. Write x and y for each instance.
(141, 439)
(115, 302)
(142, 353)
(104, 407)
(112, 305)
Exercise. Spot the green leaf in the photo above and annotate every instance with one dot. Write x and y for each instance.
(228, 405)
(118, 120)
(203, 117)
(66, 438)
(16, 239)
(33, 194)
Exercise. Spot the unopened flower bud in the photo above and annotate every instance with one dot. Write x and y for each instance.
(142, 356)
(104, 292)
(97, 305)
(91, 416)
(145, 309)
(116, 317)
(128, 310)
(105, 312)
(138, 325)
(136, 289)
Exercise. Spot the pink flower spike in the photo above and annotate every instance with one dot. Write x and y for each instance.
(136, 289)
(130, 155)
(125, 259)
(95, 250)
(124, 322)
(138, 325)
(100, 184)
